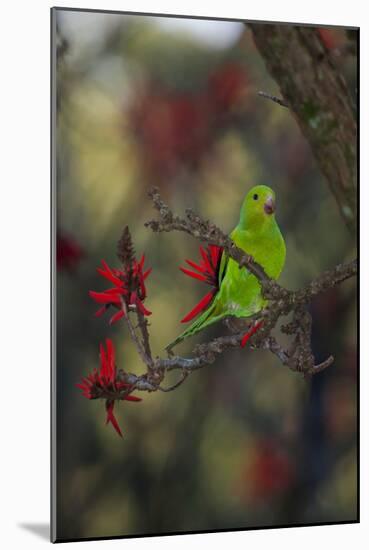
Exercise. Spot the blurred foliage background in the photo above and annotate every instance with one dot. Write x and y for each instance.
(145, 101)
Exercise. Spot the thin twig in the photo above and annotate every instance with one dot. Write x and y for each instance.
(177, 384)
(274, 98)
(145, 358)
(142, 325)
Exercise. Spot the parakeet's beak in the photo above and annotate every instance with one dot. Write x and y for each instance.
(269, 205)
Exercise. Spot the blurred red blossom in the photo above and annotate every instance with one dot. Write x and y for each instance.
(172, 128)
(227, 87)
(270, 472)
(207, 271)
(329, 38)
(103, 383)
(68, 252)
(176, 128)
(129, 285)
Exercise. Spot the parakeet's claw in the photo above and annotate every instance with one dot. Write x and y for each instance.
(255, 327)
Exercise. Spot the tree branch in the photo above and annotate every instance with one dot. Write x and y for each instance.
(298, 357)
(274, 98)
(146, 357)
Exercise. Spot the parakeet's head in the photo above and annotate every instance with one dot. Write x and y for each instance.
(258, 207)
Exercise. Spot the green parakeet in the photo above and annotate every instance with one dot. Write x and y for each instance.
(258, 234)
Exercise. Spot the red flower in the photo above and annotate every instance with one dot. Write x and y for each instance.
(129, 285)
(227, 87)
(208, 272)
(68, 253)
(271, 471)
(250, 333)
(172, 129)
(103, 383)
(329, 38)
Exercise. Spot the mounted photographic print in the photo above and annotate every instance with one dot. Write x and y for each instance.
(204, 315)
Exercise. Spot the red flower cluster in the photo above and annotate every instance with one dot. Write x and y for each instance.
(129, 285)
(103, 383)
(208, 272)
(172, 128)
(227, 86)
(176, 128)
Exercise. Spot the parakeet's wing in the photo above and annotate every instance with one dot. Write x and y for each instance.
(222, 268)
(224, 262)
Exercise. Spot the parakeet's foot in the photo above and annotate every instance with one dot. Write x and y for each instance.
(250, 333)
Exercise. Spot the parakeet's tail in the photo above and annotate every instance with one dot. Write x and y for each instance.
(209, 317)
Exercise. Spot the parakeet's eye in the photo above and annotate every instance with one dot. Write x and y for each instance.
(255, 197)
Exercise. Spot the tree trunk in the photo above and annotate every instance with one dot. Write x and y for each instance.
(319, 99)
